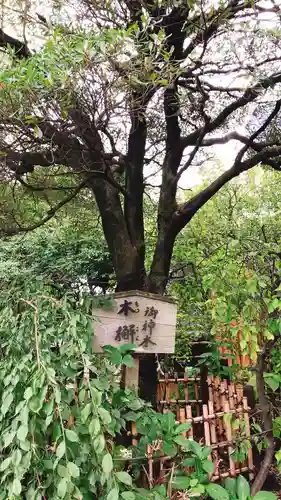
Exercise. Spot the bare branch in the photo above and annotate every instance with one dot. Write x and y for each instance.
(249, 95)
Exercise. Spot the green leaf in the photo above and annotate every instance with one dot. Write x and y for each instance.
(105, 415)
(5, 464)
(62, 487)
(86, 412)
(107, 463)
(200, 451)
(272, 381)
(73, 469)
(124, 477)
(128, 361)
(265, 495)
(60, 450)
(230, 485)
(169, 448)
(182, 441)
(116, 358)
(99, 444)
(189, 462)
(127, 347)
(181, 482)
(48, 464)
(199, 488)
(94, 427)
(217, 492)
(71, 436)
(242, 488)
(28, 393)
(57, 395)
(8, 438)
(208, 466)
(7, 403)
(22, 432)
(128, 495)
(182, 428)
(16, 487)
(113, 494)
(62, 471)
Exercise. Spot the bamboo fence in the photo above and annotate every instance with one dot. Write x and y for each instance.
(222, 423)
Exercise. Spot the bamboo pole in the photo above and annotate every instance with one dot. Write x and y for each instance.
(134, 434)
(198, 401)
(150, 465)
(167, 389)
(189, 419)
(230, 396)
(207, 431)
(186, 389)
(182, 419)
(210, 388)
(211, 417)
(248, 434)
(228, 432)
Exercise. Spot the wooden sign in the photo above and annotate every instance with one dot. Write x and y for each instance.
(143, 319)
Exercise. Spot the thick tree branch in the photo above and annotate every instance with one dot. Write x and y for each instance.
(159, 272)
(185, 213)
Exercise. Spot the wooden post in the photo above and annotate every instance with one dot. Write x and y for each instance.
(131, 375)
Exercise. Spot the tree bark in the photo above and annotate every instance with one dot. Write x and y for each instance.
(267, 424)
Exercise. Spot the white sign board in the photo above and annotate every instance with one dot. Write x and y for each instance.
(143, 319)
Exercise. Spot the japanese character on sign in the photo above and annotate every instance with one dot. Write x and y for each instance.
(125, 308)
(151, 312)
(149, 325)
(127, 333)
(146, 341)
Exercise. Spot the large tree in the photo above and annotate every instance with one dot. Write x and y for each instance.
(134, 93)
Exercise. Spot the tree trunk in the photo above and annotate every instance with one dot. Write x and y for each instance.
(267, 424)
